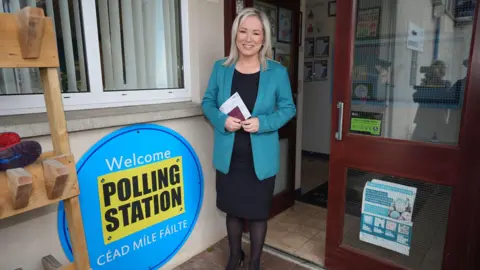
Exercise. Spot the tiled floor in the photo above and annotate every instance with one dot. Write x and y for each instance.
(300, 231)
(215, 258)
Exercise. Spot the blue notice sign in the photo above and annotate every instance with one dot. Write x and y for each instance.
(141, 191)
(387, 215)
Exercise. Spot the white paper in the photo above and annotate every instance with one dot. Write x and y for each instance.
(387, 215)
(321, 46)
(235, 101)
(415, 37)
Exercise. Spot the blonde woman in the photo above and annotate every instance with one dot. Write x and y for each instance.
(246, 153)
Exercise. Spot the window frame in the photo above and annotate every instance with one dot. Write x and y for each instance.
(97, 98)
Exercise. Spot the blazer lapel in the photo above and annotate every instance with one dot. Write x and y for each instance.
(262, 88)
(227, 86)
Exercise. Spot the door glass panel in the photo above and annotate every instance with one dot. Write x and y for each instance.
(408, 228)
(410, 64)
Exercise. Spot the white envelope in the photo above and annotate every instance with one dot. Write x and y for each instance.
(235, 101)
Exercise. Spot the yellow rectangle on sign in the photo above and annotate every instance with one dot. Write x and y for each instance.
(134, 199)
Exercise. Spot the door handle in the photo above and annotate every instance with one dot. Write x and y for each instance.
(338, 134)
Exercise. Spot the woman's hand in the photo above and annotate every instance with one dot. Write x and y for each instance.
(232, 124)
(251, 125)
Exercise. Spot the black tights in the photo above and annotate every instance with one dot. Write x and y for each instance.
(258, 231)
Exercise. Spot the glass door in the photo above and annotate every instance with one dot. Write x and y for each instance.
(401, 134)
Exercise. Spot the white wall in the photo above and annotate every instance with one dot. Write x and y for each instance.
(316, 94)
(26, 238)
(207, 42)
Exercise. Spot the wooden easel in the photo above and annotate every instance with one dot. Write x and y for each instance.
(27, 39)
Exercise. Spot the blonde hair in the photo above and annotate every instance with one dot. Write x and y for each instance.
(266, 50)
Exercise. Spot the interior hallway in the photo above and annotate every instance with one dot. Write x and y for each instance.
(301, 230)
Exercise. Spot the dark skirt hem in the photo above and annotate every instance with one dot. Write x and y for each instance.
(241, 194)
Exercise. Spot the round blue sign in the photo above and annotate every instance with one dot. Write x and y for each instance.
(141, 191)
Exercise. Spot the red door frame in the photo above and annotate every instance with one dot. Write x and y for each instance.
(455, 166)
(229, 13)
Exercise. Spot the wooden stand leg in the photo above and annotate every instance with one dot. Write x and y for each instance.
(20, 185)
(61, 146)
(77, 234)
(2, 205)
(56, 115)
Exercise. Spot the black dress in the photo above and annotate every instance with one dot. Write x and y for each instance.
(240, 193)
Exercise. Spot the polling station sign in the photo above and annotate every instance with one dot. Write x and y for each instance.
(141, 191)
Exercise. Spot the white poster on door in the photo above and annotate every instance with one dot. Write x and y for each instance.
(415, 37)
(386, 218)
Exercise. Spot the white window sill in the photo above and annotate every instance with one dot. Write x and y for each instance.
(32, 125)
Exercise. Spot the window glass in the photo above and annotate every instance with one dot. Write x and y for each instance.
(66, 16)
(410, 68)
(140, 44)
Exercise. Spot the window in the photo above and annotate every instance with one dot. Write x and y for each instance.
(112, 53)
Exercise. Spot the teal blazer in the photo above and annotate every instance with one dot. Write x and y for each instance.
(274, 107)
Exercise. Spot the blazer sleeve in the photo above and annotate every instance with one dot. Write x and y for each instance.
(209, 103)
(285, 107)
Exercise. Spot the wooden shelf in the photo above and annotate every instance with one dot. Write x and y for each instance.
(38, 197)
(27, 39)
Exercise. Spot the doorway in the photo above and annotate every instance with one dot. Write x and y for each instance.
(287, 36)
(384, 147)
(300, 230)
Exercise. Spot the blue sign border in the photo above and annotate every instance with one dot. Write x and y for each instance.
(61, 216)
